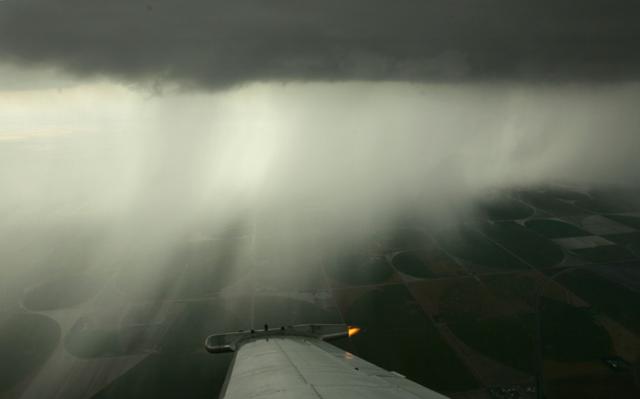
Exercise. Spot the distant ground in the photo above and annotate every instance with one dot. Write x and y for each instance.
(545, 279)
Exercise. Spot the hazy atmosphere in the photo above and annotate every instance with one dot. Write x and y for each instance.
(170, 170)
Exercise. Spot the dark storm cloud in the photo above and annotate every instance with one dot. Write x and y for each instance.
(216, 43)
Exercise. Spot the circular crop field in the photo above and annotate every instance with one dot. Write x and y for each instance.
(555, 228)
(62, 292)
(506, 209)
(359, 269)
(411, 263)
(26, 342)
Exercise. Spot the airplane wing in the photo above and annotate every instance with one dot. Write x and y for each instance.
(297, 362)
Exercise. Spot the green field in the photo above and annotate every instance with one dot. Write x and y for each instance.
(527, 245)
(630, 241)
(85, 340)
(409, 285)
(279, 311)
(387, 307)
(476, 249)
(360, 269)
(413, 264)
(572, 334)
(509, 340)
(603, 254)
(593, 386)
(611, 201)
(555, 228)
(616, 301)
(398, 336)
(463, 299)
(195, 376)
(505, 208)
(26, 341)
(546, 202)
(566, 194)
(631, 221)
(513, 288)
(421, 355)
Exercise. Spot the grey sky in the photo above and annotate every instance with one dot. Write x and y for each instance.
(215, 43)
(398, 112)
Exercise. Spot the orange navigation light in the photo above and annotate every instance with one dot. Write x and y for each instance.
(353, 330)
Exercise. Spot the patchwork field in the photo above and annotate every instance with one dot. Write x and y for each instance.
(546, 279)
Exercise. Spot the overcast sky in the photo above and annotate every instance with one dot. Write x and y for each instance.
(384, 101)
(149, 122)
(213, 43)
(143, 127)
